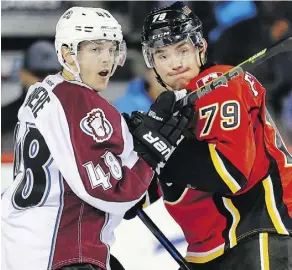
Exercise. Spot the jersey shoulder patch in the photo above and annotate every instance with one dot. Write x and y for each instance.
(208, 75)
(208, 78)
(96, 124)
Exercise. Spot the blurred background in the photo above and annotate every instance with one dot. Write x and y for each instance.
(234, 30)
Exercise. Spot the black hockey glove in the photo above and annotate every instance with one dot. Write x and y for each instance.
(156, 133)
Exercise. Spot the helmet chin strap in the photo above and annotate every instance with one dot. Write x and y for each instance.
(202, 60)
(75, 74)
(161, 82)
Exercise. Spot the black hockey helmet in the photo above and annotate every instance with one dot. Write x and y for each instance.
(169, 25)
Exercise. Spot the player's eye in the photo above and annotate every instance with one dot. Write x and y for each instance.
(184, 51)
(96, 49)
(162, 56)
(112, 50)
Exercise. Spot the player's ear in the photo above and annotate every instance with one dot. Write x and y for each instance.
(201, 53)
(67, 56)
(204, 49)
(205, 45)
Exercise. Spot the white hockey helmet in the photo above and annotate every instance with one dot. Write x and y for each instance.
(79, 24)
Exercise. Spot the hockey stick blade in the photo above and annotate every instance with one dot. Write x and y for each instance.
(163, 240)
(248, 65)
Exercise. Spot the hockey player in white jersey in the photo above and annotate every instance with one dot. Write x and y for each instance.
(75, 170)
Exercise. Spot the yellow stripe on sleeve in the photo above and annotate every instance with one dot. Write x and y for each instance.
(222, 171)
(203, 257)
(272, 208)
(235, 220)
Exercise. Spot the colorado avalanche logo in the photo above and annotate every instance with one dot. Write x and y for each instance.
(96, 125)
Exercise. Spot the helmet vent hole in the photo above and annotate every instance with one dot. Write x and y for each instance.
(88, 29)
(104, 34)
(83, 14)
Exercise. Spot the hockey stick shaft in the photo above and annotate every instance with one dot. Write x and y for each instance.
(163, 240)
(247, 65)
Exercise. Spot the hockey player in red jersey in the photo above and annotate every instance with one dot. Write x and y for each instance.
(230, 186)
(75, 170)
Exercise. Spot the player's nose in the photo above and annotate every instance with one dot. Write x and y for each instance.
(176, 63)
(105, 56)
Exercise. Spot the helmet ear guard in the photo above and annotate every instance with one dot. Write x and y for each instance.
(122, 53)
(148, 57)
(120, 56)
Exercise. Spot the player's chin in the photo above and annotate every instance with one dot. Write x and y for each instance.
(179, 83)
(101, 85)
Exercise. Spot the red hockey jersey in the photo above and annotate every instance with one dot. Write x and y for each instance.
(237, 169)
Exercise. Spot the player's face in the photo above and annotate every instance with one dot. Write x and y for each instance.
(96, 60)
(177, 64)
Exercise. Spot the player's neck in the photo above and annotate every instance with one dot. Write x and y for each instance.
(67, 75)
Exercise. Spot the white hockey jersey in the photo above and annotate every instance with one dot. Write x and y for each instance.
(75, 175)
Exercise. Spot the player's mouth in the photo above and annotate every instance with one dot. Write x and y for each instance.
(104, 73)
(178, 72)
